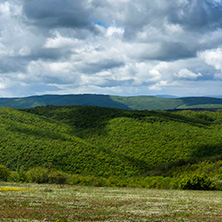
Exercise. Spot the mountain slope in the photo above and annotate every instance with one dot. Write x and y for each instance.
(148, 102)
(99, 141)
(121, 102)
(29, 140)
(61, 100)
(200, 102)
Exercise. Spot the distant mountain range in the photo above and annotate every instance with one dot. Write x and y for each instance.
(166, 96)
(172, 96)
(121, 102)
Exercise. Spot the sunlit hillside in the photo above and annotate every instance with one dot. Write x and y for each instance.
(99, 141)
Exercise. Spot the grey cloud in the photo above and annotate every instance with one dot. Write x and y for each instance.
(168, 51)
(197, 19)
(197, 15)
(15, 64)
(132, 15)
(191, 14)
(49, 54)
(10, 65)
(57, 13)
(172, 51)
(59, 80)
(99, 66)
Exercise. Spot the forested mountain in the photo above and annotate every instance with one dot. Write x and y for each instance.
(98, 141)
(121, 102)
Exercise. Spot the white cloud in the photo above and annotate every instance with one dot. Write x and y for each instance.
(187, 74)
(212, 57)
(62, 42)
(146, 73)
(115, 32)
(5, 9)
(8, 9)
(126, 47)
(159, 85)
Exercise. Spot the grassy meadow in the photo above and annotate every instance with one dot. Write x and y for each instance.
(32, 202)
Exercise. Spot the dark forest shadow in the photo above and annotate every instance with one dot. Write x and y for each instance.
(85, 120)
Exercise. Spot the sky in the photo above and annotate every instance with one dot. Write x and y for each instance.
(117, 47)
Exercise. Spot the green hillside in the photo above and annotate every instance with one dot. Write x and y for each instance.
(156, 103)
(120, 102)
(99, 141)
(200, 102)
(61, 100)
(148, 102)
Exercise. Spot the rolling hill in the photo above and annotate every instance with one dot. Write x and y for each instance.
(103, 142)
(121, 102)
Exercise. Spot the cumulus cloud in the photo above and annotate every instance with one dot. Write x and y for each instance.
(117, 47)
(187, 74)
(60, 41)
(213, 57)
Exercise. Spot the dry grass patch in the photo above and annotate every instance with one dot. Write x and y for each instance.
(75, 203)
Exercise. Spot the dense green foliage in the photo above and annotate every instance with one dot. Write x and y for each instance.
(94, 142)
(45, 175)
(52, 176)
(121, 102)
(4, 173)
(197, 182)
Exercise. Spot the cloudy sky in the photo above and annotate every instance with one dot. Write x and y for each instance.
(118, 47)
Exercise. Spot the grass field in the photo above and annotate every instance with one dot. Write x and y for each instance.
(31, 202)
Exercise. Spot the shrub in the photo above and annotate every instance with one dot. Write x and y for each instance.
(38, 175)
(111, 181)
(218, 184)
(4, 173)
(43, 175)
(159, 182)
(75, 179)
(196, 182)
(57, 177)
(14, 177)
(22, 174)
